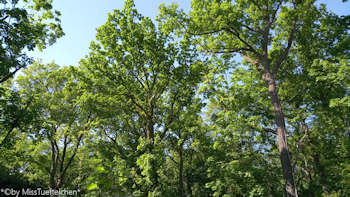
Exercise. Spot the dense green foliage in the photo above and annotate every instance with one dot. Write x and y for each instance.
(187, 105)
(25, 25)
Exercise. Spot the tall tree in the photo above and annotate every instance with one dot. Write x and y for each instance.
(141, 84)
(263, 33)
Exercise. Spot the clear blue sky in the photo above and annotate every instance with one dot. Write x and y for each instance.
(80, 18)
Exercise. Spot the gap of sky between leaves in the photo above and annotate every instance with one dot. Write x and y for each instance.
(80, 18)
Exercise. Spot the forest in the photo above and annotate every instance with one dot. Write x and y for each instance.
(231, 98)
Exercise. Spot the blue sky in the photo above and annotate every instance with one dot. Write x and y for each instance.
(80, 18)
(79, 21)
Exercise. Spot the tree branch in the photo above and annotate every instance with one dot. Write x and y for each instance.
(15, 123)
(269, 130)
(275, 12)
(172, 117)
(238, 36)
(11, 74)
(57, 151)
(252, 29)
(254, 62)
(63, 152)
(72, 157)
(109, 137)
(206, 33)
(13, 126)
(286, 50)
(4, 18)
(227, 50)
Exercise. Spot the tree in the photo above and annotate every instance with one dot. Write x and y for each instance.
(141, 84)
(167, 108)
(24, 26)
(320, 120)
(263, 33)
(62, 122)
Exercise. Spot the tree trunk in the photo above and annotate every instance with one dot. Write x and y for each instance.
(150, 137)
(181, 164)
(53, 166)
(53, 169)
(150, 129)
(281, 135)
(321, 172)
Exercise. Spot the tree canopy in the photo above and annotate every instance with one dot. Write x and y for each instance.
(232, 98)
